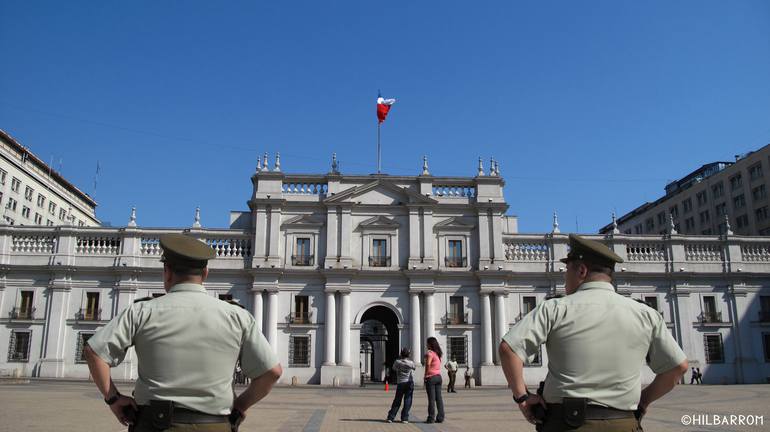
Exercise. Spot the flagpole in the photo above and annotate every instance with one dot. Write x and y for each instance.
(379, 166)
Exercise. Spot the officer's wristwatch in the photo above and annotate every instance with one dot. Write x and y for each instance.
(113, 399)
(521, 398)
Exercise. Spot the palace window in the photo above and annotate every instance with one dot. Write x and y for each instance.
(661, 218)
(652, 301)
(458, 349)
(62, 214)
(456, 310)
(92, 307)
(378, 256)
(299, 351)
(721, 209)
(302, 255)
(28, 192)
(455, 256)
(649, 224)
(40, 200)
(301, 309)
(18, 347)
(38, 219)
(15, 184)
(712, 346)
(81, 347)
(11, 204)
(26, 309)
(2, 176)
(689, 224)
(25, 212)
(52, 207)
(527, 304)
(710, 314)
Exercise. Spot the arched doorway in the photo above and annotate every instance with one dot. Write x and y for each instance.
(379, 342)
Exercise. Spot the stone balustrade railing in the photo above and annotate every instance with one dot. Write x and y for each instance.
(454, 191)
(304, 188)
(525, 253)
(645, 254)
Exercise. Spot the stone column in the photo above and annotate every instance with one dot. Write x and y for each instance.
(345, 328)
(430, 318)
(484, 246)
(331, 314)
(258, 307)
(414, 327)
(260, 240)
(486, 330)
(272, 319)
(501, 326)
(55, 329)
(275, 236)
(414, 237)
(346, 229)
(332, 250)
(427, 236)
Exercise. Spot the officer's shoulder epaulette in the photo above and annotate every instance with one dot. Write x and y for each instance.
(235, 303)
(144, 299)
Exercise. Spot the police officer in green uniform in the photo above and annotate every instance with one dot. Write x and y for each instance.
(596, 341)
(187, 344)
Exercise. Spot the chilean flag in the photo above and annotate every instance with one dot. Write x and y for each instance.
(383, 106)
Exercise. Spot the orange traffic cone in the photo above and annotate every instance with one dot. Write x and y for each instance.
(387, 386)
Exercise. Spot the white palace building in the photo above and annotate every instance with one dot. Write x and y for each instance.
(343, 270)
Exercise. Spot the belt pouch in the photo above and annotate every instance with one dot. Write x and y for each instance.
(574, 411)
(162, 413)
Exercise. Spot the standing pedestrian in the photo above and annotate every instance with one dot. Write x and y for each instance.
(403, 368)
(451, 367)
(468, 375)
(700, 376)
(187, 344)
(591, 385)
(433, 381)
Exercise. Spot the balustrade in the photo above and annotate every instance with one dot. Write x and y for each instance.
(31, 243)
(703, 252)
(756, 252)
(304, 188)
(454, 191)
(98, 245)
(646, 252)
(526, 251)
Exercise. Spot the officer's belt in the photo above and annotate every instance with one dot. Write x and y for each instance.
(188, 416)
(592, 412)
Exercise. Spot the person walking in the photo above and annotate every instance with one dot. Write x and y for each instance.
(403, 368)
(468, 375)
(700, 376)
(597, 341)
(451, 367)
(433, 381)
(187, 344)
(693, 377)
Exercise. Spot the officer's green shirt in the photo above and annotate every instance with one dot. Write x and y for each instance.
(187, 343)
(596, 341)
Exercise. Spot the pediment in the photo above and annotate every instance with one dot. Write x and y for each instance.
(379, 192)
(454, 224)
(379, 222)
(309, 221)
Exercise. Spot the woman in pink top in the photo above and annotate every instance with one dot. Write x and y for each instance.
(433, 381)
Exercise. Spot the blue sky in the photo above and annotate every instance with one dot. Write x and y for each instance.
(590, 107)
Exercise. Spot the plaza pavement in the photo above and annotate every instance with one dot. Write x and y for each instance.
(46, 406)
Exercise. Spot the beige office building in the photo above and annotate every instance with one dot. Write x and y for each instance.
(32, 193)
(710, 200)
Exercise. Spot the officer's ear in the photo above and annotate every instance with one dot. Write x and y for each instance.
(582, 270)
(168, 275)
(205, 274)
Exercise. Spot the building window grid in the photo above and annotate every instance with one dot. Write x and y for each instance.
(704, 217)
(83, 338)
(736, 182)
(718, 190)
(28, 193)
(755, 171)
(18, 346)
(458, 349)
(713, 348)
(687, 205)
(299, 351)
(759, 193)
(3, 174)
(702, 199)
(739, 202)
(302, 255)
(40, 200)
(674, 210)
(761, 214)
(455, 257)
(15, 184)
(742, 221)
(661, 218)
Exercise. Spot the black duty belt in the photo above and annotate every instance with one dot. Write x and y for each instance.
(592, 412)
(187, 416)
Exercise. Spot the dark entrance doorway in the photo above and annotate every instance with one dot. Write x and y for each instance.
(379, 342)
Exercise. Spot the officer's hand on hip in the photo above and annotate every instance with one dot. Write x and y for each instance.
(124, 410)
(527, 408)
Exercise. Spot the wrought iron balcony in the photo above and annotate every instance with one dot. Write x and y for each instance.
(88, 315)
(18, 313)
(300, 317)
(379, 261)
(454, 318)
(455, 261)
(710, 317)
(302, 260)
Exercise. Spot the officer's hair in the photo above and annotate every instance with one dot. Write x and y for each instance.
(598, 268)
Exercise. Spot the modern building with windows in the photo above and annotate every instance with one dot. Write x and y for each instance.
(341, 271)
(32, 193)
(708, 200)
